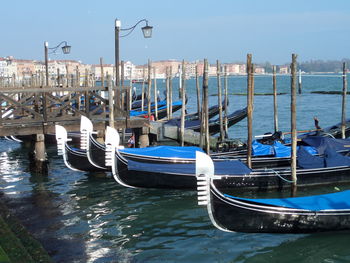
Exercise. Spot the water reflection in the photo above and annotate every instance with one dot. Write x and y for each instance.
(323, 247)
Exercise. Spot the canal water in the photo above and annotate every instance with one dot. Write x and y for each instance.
(81, 217)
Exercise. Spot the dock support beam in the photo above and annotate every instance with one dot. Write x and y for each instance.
(38, 159)
(142, 137)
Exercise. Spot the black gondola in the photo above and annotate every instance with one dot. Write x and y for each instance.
(332, 131)
(278, 154)
(320, 213)
(237, 175)
(75, 159)
(161, 110)
(214, 125)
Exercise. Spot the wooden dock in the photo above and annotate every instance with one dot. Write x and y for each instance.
(36, 110)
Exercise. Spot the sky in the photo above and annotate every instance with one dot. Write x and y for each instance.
(226, 30)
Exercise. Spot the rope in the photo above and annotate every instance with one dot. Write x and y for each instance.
(286, 180)
(330, 135)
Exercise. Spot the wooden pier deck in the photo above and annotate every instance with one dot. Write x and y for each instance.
(36, 110)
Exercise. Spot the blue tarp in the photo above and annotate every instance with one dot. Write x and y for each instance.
(187, 152)
(340, 200)
(260, 149)
(227, 167)
(281, 150)
(277, 149)
(306, 160)
(332, 159)
(323, 143)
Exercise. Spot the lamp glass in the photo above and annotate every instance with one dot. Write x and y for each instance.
(66, 49)
(147, 31)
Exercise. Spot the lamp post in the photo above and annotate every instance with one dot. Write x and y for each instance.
(147, 33)
(65, 49)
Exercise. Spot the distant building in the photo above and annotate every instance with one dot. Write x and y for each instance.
(284, 69)
(259, 70)
(108, 69)
(25, 68)
(162, 65)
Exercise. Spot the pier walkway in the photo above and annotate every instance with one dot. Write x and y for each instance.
(36, 110)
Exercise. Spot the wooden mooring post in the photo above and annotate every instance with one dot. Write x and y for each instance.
(171, 92)
(110, 101)
(343, 115)
(250, 94)
(299, 82)
(149, 89)
(205, 117)
(155, 95)
(183, 108)
(226, 103)
(167, 93)
(218, 74)
(143, 88)
(293, 68)
(198, 94)
(275, 110)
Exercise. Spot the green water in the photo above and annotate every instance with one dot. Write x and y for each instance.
(82, 217)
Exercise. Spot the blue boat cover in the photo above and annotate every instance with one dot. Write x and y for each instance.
(322, 143)
(332, 159)
(260, 149)
(333, 201)
(306, 160)
(227, 167)
(282, 150)
(186, 152)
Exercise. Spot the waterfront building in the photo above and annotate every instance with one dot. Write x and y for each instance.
(108, 69)
(284, 69)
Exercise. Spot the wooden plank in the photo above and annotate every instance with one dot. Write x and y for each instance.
(172, 132)
(47, 89)
(21, 106)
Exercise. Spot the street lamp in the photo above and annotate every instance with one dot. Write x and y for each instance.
(147, 33)
(65, 49)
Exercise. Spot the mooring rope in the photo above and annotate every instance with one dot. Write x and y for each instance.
(284, 179)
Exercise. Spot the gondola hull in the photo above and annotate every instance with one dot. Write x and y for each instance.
(269, 179)
(309, 214)
(214, 125)
(240, 216)
(158, 175)
(97, 153)
(78, 160)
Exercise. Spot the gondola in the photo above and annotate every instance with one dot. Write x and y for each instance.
(75, 159)
(214, 125)
(96, 151)
(162, 110)
(312, 170)
(212, 111)
(163, 157)
(332, 131)
(277, 154)
(319, 213)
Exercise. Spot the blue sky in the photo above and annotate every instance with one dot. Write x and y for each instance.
(223, 29)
